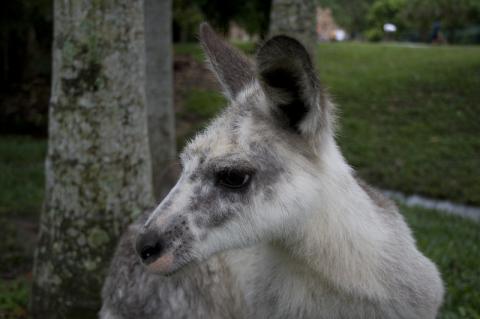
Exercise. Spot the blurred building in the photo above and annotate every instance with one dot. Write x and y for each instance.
(327, 28)
(238, 34)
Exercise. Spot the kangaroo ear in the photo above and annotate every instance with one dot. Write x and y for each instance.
(233, 69)
(288, 78)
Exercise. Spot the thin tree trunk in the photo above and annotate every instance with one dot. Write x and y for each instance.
(98, 169)
(161, 125)
(296, 18)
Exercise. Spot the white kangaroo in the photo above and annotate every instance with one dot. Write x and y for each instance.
(267, 219)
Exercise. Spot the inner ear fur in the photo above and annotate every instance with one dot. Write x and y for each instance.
(287, 76)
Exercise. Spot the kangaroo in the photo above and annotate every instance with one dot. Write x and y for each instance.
(267, 219)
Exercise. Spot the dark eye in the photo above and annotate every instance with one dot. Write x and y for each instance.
(234, 179)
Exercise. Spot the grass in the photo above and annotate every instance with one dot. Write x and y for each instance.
(21, 175)
(200, 106)
(409, 117)
(21, 196)
(203, 104)
(453, 244)
(191, 49)
(14, 298)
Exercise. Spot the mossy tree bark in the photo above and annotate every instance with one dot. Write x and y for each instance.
(98, 169)
(161, 125)
(296, 18)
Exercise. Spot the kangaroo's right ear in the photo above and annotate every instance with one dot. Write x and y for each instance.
(233, 69)
(287, 76)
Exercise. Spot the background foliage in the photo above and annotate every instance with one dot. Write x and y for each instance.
(460, 19)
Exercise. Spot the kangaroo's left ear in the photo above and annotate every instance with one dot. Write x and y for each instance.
(288, 78)
(232, 68)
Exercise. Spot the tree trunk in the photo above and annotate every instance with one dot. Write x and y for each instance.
(296, 18)
(98, 169)
(161, 125)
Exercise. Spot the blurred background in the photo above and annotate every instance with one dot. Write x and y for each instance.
(405, 75)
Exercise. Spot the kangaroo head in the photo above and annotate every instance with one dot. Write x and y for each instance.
(249, 176)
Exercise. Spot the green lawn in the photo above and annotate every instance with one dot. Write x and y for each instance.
(453, 243)
(21, 175)
(409, 116)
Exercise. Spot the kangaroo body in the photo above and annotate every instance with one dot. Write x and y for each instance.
(267, 219)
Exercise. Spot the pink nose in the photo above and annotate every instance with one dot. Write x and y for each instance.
(164, 264)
